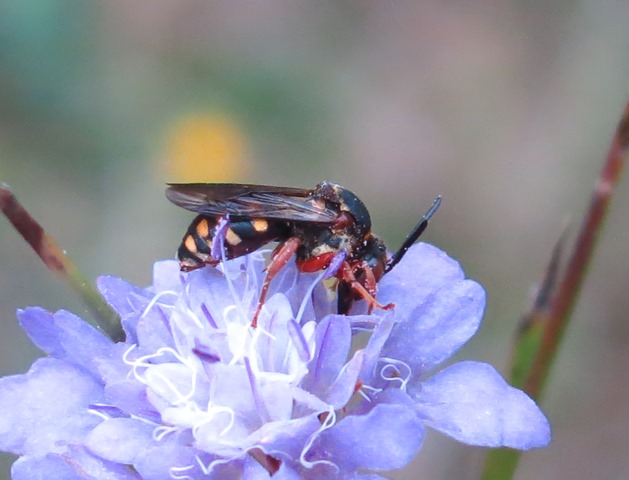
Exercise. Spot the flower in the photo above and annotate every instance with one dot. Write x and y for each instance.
(195, 392)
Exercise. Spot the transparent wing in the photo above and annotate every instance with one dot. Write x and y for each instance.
(250, 201)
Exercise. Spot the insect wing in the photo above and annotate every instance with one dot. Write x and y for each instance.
(250, 201)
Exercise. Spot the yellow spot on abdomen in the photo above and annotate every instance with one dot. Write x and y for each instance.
(190, 244)
(232, 238)
(260, 225)
(203, 229)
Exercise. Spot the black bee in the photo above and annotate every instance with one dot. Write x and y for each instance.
(317, 225)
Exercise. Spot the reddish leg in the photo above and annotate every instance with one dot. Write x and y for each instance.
(367, 291)
(315, 264)
(281, 256)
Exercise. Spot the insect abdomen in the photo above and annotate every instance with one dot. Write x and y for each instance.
(242, 237)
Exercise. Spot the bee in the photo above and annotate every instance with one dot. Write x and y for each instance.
(324, 227)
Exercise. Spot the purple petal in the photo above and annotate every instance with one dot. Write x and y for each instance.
(153, 330)
(155, 463)
(126, 299)
(324, 472)
(385, 438)
(44, 417)
(64, 336)
(254, 471)
(340, 392)
(306, 402)
(335, 264)
(333, 341)
(471, 402)
(208, 316)
(64, 467)
(130, 395)
(286, 472)
(261, 408)
(423, 270)
(367, 476)
(374, 347)
(272, 346)
(77, 464)
(119, 440)
(166, 276)
(286, 279)
(298, 340)
(363, 322)
(117, 293)
(97, 468)
(439, 327)
(40, 326)
(297, 286)
(350, 476)
(285, 439)
(49, 467)
(230, 386)
(282, 336)
(232, 470)
(207, 286)
(111, 367)
(321, 303)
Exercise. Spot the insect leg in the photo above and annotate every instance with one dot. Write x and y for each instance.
(367, 291)
(281, 256)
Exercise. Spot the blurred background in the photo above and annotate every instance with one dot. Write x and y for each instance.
(505, 108)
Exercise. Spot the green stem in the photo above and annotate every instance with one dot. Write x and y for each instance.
(563, 301)
(59, 263)
(544, 325)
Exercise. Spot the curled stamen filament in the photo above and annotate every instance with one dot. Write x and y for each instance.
(330, 420)
(152, 369)
(396, 366)
(155, 299)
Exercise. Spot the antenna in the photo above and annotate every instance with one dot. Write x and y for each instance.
(414, 235)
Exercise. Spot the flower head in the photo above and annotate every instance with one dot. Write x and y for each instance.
(195, 392)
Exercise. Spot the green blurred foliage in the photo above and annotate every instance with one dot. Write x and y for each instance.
(50, 74)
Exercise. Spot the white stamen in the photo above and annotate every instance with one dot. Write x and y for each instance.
(160, 432)
(154, 370)
(307, 296)
(208, 470)
(195, 318)
(238, 302)
(125, 355)
(368, 388)
(398, 375)
(329, 421)
(174, 472)
(210, 416)
(155, 299)
(98, 413)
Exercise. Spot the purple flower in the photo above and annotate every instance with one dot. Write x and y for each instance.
(194, 392)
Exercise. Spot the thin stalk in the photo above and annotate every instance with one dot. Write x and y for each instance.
(58, 262)
(563, 301)
(544, 325)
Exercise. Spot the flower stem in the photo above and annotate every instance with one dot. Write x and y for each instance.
(563, 301)
(544, 325)
(58, 262)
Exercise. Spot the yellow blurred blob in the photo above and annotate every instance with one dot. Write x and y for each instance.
(206, 148)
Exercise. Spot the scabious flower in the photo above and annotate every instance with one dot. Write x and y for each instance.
(196, 393)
